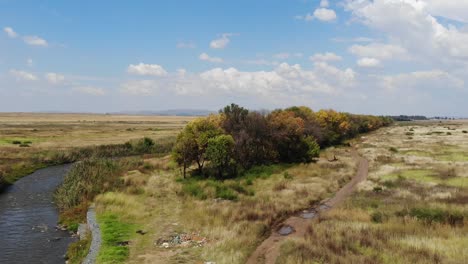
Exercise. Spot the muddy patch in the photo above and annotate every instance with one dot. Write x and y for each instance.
(286, 230)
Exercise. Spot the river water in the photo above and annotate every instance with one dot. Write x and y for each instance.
(28, 217)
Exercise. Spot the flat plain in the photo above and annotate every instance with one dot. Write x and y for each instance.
(26, 139)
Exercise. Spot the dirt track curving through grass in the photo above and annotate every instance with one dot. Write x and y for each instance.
(269, 250)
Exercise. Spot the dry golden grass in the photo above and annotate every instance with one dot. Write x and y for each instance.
(232, 228)
(45, 133)
(417, 182)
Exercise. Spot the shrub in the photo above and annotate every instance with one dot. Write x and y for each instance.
(194, 189)
(225, 193)
(409, 133)
(144, 145)
(464, 132)
(393, 149)
(449, 134)
(16, 142)
(377, 217)
(434, 215)
(377, 189)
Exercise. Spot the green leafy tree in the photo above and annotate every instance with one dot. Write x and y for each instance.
(313, 148)
(220, 153)
(185, 150)
(193, 140)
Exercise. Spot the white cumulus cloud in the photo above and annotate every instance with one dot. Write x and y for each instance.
(146, 69)
(325, 14)
(328, 56)
(35, 41)
(379, 51)
(221, 42)
(206, 57)
(368, 62)
(10, 32)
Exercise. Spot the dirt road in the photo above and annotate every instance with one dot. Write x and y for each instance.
(268, 251)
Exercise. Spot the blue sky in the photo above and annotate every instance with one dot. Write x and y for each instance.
(379, 57)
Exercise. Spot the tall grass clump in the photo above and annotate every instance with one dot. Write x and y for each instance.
(84, 181)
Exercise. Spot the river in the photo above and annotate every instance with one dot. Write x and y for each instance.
(28, 219)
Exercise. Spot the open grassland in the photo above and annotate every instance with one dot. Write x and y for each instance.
(30, 141)
(197, 220)
(412, 209)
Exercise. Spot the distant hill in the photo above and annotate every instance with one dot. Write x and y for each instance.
(171, 112)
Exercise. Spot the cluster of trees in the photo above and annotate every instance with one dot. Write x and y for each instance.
(237, 138)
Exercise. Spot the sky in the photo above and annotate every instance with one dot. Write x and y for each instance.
(359, 56)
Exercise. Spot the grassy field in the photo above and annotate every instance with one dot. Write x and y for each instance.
(28, 141)
(412, 209)
(199, 220)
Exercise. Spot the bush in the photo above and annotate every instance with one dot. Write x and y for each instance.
(377, 189)
(16, 142)
(194, 189)
(393, 149)
(434, 215)
(449, 134)
(464, 132)
(225, 193)
(144, 145)
(377, 217)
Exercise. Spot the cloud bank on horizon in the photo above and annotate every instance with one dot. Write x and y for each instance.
(363, 56)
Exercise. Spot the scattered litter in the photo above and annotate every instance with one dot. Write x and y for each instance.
(165, 245)
(183, 240)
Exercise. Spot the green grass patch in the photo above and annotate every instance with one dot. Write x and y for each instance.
(194, 189)
(115, 234)
(424, 176)
(19, 140)
(264, 171)
(416, 175)
(453, 156)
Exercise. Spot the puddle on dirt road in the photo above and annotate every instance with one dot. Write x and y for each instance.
(286, 230)
(308, 214)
